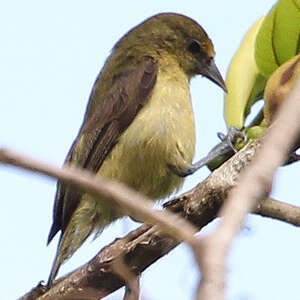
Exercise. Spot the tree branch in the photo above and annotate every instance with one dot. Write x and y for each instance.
(279, 210)
(140, 249)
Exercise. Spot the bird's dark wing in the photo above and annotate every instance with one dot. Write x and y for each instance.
(102, 127)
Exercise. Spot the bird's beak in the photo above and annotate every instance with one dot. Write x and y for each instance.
(212, 73)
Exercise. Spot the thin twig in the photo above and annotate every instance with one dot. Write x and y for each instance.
(279, 211)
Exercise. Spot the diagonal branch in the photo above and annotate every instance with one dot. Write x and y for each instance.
(254, 184)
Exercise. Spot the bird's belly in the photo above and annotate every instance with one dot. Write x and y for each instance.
(162, 133)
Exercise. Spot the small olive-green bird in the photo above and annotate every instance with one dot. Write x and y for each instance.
(139, 125)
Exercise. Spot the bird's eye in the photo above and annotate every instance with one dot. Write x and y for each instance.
(194, 46)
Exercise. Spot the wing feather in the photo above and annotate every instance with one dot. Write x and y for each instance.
(101, 130)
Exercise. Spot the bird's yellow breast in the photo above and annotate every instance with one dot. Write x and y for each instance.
(162, 133)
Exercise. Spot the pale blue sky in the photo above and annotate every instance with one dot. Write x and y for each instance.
(50, 54)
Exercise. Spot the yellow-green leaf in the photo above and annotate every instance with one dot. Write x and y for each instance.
(264, 51)
(286, 29)
(243, 81)
(269, 43)
(278, 37)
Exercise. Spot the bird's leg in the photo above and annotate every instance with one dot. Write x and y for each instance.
(225, 148)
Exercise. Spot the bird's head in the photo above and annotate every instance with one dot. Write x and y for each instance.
(178, 36)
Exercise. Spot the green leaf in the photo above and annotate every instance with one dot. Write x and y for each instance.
(264, 51)
(278, 37)
(287, 30)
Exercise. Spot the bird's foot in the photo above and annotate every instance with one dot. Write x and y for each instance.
(232, 136)
(224, 149)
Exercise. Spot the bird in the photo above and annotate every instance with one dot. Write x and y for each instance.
(138, 127)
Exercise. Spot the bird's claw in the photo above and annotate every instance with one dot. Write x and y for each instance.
(233, 134)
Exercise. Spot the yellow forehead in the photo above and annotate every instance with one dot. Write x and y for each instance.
(208, 48)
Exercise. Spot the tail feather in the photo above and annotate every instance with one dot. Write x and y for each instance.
(69, 242)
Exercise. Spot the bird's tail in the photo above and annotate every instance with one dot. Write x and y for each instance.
(70, 240)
